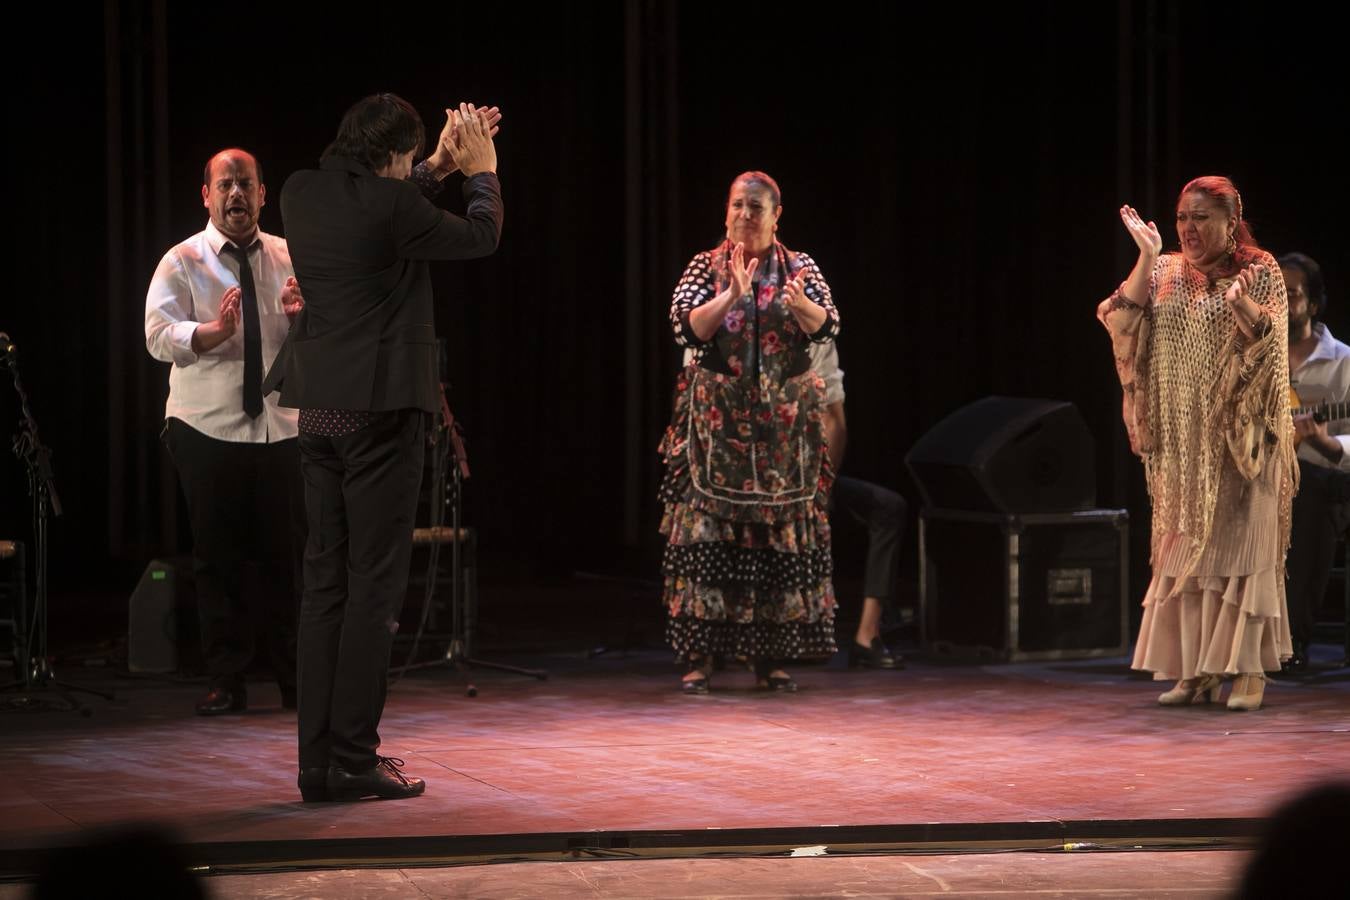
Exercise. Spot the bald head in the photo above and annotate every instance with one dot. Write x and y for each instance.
(233, 193)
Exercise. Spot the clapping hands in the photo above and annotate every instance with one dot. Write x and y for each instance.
(462, 139)
(741, 274)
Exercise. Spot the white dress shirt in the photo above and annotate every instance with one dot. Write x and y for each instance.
(825, 360)
(1325, 376)
(206, 390)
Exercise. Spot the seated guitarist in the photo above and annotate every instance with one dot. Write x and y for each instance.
(1319, 376)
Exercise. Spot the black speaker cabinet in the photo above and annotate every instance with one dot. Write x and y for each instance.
(160, 617)
(1008, 455)
(1022, 587)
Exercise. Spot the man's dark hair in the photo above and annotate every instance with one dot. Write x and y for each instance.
(375, 129)
(1312, 272)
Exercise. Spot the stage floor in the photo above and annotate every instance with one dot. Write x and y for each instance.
(606, 756)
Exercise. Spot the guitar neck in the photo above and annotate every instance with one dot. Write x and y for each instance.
(1333, 411)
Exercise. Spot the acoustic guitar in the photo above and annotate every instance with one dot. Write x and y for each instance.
(1321, 412)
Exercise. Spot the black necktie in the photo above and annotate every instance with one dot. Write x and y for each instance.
(248, 314)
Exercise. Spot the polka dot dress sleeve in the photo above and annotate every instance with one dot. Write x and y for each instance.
(695, 288)
(818, 291)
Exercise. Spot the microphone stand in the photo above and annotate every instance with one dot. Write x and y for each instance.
(37, 671)
(447, 447)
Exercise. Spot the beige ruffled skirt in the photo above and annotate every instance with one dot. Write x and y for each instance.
(1230, 615)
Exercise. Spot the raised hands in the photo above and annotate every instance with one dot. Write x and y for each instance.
(741, 274)
(794, 293)
(470, 145)
(1145, 234)
(442, 159)
(809, 314)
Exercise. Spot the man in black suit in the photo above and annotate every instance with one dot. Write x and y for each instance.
(360, 365)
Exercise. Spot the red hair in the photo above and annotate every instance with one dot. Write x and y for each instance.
(1223, 192)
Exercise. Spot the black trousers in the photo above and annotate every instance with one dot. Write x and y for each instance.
(882, 512)
(246, 507)
(361, 500)
(1321, 513)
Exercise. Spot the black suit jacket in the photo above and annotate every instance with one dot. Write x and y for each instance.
(361, 245)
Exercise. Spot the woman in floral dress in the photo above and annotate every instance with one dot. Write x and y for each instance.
(747, 562)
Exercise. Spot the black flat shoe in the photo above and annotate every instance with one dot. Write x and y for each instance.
(222, 699)
(313, 784)
(703, 683)
(765, 680)
(695, 686)
(383, 781)
(876, 656)
(782, 684)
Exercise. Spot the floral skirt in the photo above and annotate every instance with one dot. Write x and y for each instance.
(747, 563)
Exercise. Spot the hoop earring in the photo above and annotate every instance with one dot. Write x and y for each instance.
(1232, 245)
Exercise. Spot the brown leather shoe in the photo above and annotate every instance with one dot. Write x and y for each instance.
(223, 698)
(383, 781)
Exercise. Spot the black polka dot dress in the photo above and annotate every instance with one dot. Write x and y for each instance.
(747, 566)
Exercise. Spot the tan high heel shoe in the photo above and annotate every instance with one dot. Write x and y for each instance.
(1248, 689)
(1201, 689)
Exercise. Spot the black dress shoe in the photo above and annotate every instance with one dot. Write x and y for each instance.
(383, 781)
(876, 656)
(313, 784)
(222, 699)
(1295, 666)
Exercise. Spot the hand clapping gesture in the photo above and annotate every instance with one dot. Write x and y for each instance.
(809, 314)
(292, 301)
(228, 313)
(794, 293)
(1145, 234)
(209, 335)
(741, 274)
(471, 146)
(442, 158)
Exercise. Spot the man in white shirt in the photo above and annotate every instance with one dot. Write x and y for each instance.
(1319, 373)
(218, 309)
(879, 510)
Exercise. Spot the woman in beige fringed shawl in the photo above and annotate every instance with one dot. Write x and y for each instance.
(1200, 345)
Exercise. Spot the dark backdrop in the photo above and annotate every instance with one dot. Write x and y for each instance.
(956, 173)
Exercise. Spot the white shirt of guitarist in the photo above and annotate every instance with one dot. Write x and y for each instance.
(1324, 378)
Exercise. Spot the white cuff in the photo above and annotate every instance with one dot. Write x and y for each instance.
(180, 342)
